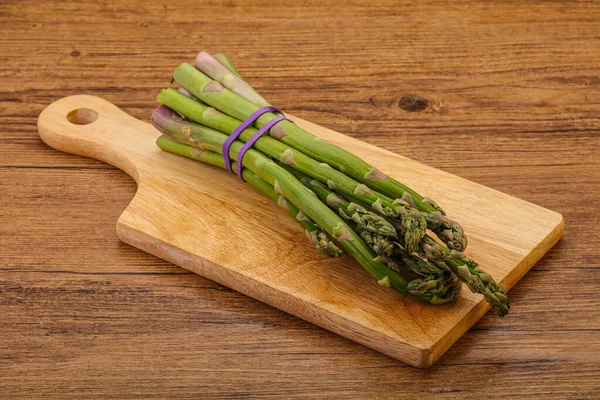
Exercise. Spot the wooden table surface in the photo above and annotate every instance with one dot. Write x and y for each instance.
(506, 94)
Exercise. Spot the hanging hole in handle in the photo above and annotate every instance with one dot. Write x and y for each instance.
(82, 116)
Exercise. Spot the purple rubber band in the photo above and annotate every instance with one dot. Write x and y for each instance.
(253, 140)
(236, 133)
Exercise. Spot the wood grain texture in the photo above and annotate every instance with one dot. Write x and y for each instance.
(513, 101)
(206, 220)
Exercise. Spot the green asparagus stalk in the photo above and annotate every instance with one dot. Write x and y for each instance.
(438, 291)
(414, 224)
(183, 132)
(235, 99)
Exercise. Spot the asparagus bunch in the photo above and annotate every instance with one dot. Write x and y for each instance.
(195, 141)
(377, 220)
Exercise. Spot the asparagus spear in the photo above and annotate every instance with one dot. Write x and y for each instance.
(414, 224)
(240, 101)
(431, 288)
(184, 132)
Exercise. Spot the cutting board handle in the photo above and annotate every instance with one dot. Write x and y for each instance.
(92, 127)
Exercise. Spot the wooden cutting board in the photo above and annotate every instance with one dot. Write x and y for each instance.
(207, 221)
